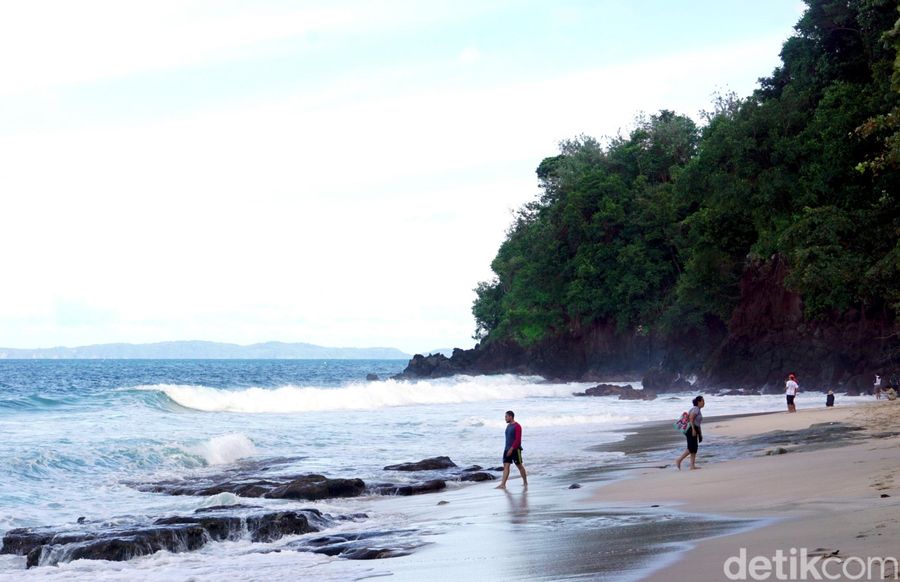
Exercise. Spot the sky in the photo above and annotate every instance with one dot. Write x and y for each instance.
(339, 173)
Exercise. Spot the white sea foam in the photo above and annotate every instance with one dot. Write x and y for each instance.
(560, 420)
(224, 449)
(368, 396)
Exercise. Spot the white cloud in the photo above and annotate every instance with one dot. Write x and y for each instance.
(334, 217)
(469, 55)
(59, 42)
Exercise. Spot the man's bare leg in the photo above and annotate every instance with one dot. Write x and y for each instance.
(521, 467)
(502, 484)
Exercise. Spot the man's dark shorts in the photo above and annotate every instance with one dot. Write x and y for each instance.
(516, 457)
(790, 399)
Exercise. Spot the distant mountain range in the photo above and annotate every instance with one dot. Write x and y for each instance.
(202, 350)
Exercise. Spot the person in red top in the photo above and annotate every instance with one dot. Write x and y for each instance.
(512, 452)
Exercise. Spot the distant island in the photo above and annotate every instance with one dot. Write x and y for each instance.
(203, 350)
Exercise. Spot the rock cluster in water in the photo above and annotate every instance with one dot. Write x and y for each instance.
(85, 539)
(623, 392)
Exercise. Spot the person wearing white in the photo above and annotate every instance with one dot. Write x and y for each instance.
(790, 390)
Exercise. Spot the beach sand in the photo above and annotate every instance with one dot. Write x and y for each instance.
(835, 491)
(635, 517)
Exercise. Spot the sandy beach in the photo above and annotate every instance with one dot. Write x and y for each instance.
(828, 496)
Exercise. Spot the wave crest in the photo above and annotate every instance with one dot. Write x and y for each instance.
(371, 395)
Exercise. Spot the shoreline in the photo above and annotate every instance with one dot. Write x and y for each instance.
(836, 492)
(558, 532)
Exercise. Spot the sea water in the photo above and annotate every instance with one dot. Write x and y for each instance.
(76, 435)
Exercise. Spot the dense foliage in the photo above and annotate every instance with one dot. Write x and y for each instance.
(653, 231)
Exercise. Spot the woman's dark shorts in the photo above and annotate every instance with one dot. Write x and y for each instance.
(693, 441)
(790, 399)
(516, 457)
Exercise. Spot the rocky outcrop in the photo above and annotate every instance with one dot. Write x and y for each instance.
(448, 471)
(432, 464)
(253, 480)
(307, 487)
(623, 392)
(661, 380)
(313, 487)
(412, 489)
(180, 533)
(592, 353)
(48, 546)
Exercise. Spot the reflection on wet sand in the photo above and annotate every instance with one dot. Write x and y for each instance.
(518, 506)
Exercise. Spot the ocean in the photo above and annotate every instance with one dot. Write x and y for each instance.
(76, 435)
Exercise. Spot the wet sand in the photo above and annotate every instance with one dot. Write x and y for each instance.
(637, 518)
(550, 531)
(823, 480)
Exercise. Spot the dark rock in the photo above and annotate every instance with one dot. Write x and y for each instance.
(21, 540)
(884, 495)
(413, 489)
(180, 533)
(623, 392)
(81, 519)
(217, 527)
(431, 464)
(575, 486)
(310, 487)
(477, 476)
(588, 353)
(314, 487)
(49, 546)
(229, 508)
(659, 380)
(127, 545)
(357, 546)
(431, 366)
(372, 377)
(274, 526)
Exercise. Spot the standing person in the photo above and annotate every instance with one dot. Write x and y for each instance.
(693, 434)
(790, 390)
(829, 398)
(876, 388)
(512, 452)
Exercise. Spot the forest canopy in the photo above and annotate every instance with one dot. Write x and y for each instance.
(652, 231)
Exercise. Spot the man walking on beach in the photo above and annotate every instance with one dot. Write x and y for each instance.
(790, 390)
(512, 452)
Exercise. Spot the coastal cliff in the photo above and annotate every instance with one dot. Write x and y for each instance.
(767, 337)
(763, 241)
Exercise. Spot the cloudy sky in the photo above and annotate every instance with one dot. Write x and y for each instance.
(339, 173)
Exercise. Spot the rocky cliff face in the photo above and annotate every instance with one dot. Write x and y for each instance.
(767, 337)
(588, 354)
